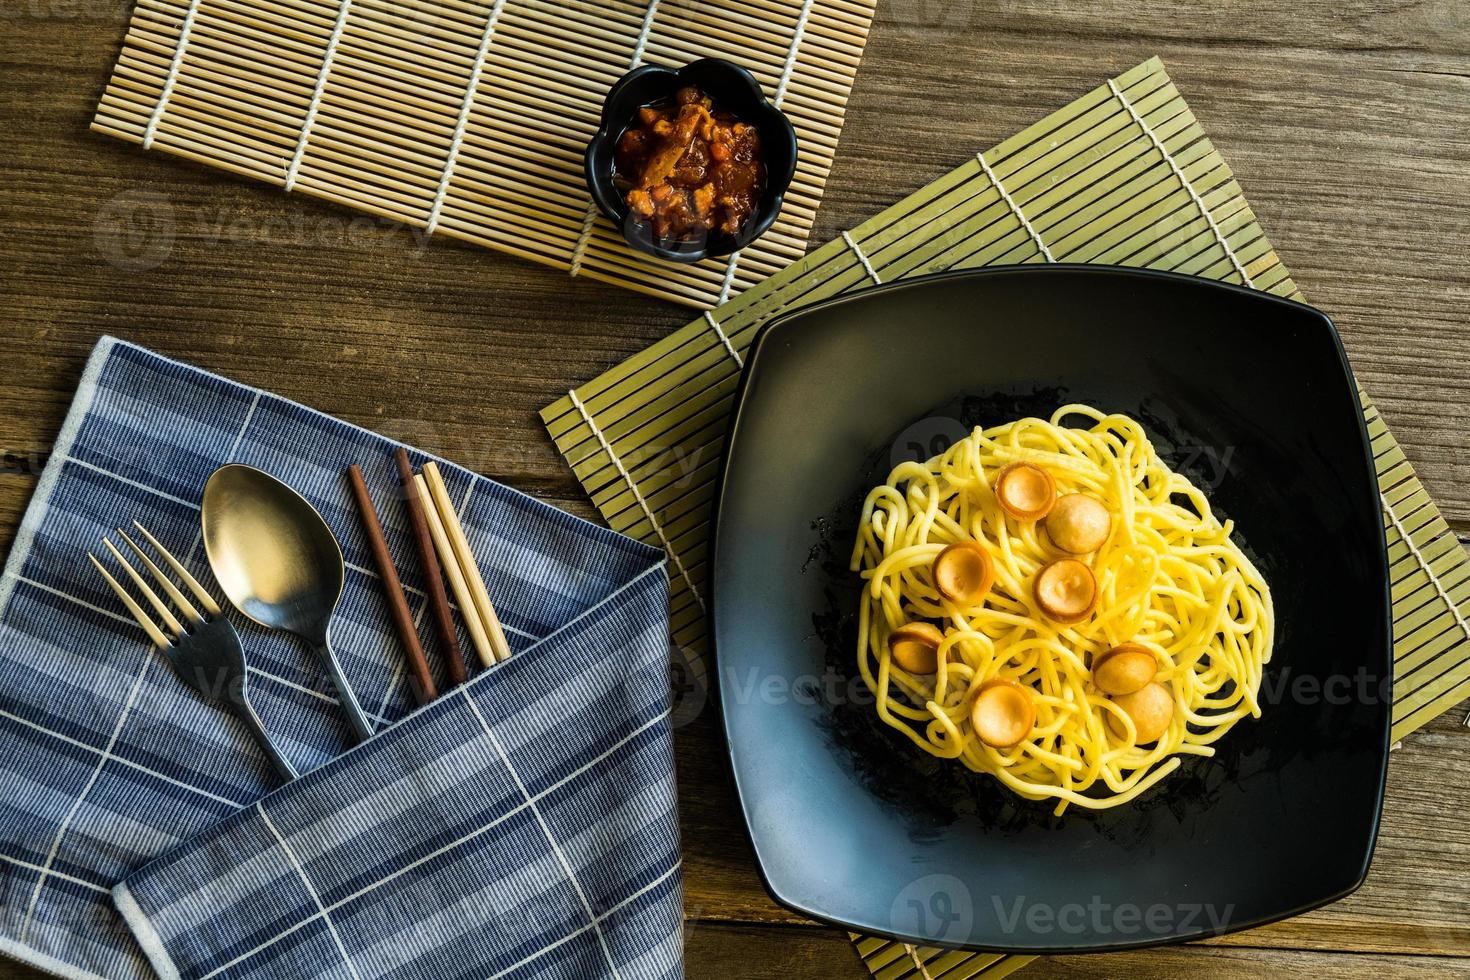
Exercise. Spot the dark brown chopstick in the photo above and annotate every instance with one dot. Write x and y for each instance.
(424, 686)
(433, 576)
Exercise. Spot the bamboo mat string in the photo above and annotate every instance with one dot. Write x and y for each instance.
(868, 266)
(452, 157)
(643, 34)
(720, 332)
(918, 963)
(580, 252)
(729, 277)
(314, 106)
(798, 32)
(638, 495)
(796, 35)
(1188, 184)
(172, 78)
(1015, 208)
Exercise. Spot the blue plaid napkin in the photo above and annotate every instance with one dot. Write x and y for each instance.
(522, 826)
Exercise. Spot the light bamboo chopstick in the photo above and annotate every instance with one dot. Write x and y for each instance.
(457, 584)
(466, 560)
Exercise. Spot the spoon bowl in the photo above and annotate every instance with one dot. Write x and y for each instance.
(271, 551)
(278, 562)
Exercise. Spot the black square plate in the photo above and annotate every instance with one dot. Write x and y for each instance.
(1249, 395)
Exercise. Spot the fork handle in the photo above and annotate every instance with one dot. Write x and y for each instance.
(361, 730)
(252, 721)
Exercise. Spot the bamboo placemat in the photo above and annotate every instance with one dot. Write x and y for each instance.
(469, 117)
(1123, 175)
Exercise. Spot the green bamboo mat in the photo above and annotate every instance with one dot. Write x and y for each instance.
(1124, 175)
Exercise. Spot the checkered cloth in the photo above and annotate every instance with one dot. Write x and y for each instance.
(520, 826)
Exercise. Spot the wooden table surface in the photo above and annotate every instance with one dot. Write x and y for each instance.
(1348, 123)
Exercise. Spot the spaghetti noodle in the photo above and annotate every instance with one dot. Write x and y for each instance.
(1024, 657)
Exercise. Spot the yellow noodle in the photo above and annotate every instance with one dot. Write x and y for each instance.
(1169, 577)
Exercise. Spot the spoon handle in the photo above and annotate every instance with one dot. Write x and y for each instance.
(361, 730)
(252, 721)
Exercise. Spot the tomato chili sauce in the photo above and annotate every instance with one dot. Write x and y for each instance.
(689, 169)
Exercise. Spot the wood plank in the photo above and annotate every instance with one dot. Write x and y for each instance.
(1203, 963)
(740, 952)
(759, 953)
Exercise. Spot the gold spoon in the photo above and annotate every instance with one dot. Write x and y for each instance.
(278, 562)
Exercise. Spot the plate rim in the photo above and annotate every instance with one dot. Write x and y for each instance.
(748, 369)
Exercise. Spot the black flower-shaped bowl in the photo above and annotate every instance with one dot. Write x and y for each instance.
(733, 89)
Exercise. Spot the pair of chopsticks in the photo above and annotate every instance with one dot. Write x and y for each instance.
(456, 560)
(444, 552)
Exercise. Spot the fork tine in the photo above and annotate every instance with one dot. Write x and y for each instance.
(159, 606)
(204, 598)
(154, 633)
(184, 606)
